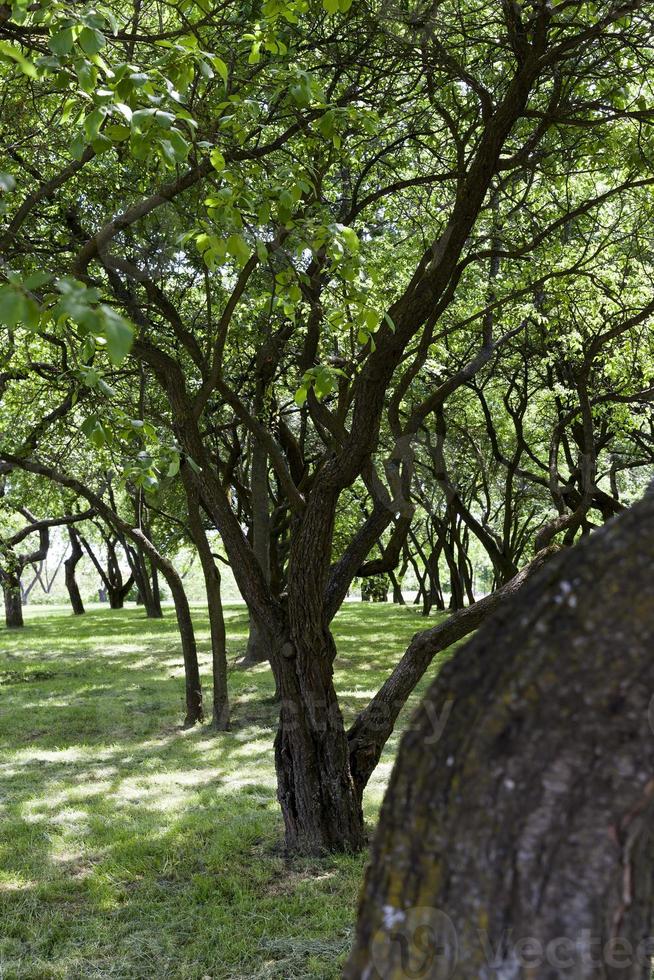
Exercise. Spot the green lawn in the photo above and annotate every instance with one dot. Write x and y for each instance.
(132, 849)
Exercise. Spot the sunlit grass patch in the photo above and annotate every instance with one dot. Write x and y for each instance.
(130, 848)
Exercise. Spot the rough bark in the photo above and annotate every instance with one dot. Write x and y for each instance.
(13, 602)
(70, 565)
(314, 785)
(518, 843)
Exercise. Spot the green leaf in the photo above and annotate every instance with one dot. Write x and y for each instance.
(350, 238)
(91, 41)
(12, 305)
(118, 334)
(87, 75)
(324, 384)
(93, 122)
(62, 42)
(105, 388)
(7, 182)
(331, 6)
(37, 279)
(300, 396)
(194, 466)
(217, 160)
(88, 425)
(77, 145)
(220, 67)
(10, 51)
(116, 133)
(164, 119)
(238, 247)
(98, 436)
(180, 146)
(142, 120)
(101, 144)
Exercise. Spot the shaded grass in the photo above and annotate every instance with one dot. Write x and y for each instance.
(132, 849)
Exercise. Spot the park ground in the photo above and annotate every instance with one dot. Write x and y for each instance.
(130, 848)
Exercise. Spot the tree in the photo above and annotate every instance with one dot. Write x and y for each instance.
(528, 824)
(70, 564)
(13, 562)
(309, 237)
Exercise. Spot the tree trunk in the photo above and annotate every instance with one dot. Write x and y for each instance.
(69, 572)
(116, 588)
(518, 842)
(257, 650)
(145, 575)
(214, 602)
(116, 597)
(148, 588)
(314, 786)
(154, 611)
(13, 602)
(398, 598)
(194, 710)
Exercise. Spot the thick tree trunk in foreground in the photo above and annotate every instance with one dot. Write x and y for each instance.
(13, 602)
(70, 565)
(519, 843)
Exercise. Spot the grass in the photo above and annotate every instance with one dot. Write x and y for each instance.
(132, 849)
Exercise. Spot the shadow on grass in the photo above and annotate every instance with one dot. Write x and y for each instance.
(132, 849)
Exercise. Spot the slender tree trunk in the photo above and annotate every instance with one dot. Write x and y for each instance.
(398, 598)
(70, 566)
(257, 650)
(155, 612)
(518, 843)
(215, 607)
(117, 589)
(144, 574)
(435, 587)
(148, 587)
(13, 601)
(26, 591)
(193, 685)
